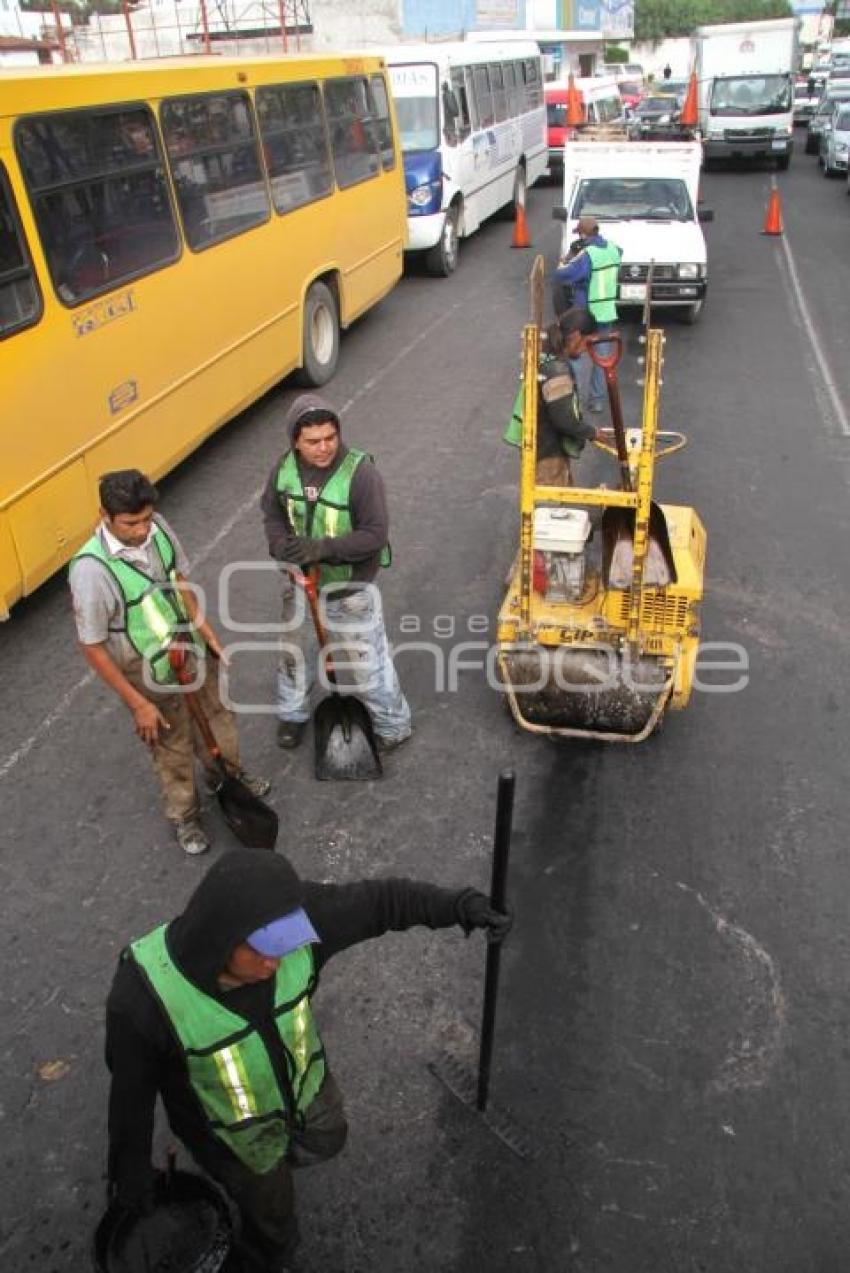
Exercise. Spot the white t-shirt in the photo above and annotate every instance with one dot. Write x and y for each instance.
(98, 602)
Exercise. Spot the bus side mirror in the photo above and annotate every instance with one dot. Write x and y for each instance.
(705, 214)
(559, 214)
(450, 103)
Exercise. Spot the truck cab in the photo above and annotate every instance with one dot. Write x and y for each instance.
(644, 197)
(745, 74)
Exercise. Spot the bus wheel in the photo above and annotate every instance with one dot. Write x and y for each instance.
(441, 259)
(321, 337)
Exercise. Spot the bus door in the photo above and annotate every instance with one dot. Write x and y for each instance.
(458, 124)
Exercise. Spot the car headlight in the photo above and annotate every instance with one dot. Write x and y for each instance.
(665, 119)
(689, 271)
(423, 195)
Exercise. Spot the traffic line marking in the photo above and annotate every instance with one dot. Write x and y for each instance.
(15, 757)
(811, 331)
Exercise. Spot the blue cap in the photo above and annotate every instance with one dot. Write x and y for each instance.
(283, 935)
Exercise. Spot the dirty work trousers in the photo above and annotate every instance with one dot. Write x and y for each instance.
(266, 1204)
(178, 747)
(362, 659)
(553, 470)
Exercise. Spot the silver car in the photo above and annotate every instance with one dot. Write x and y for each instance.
(819, 122)
(834, 141)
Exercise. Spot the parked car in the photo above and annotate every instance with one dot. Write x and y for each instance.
(820, 120)
(834, 141)
(655, 114)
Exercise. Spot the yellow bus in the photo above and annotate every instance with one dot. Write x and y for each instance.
(175, 237)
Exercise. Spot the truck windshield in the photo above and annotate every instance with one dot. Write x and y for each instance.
(634, 199)
(751, 95)
(415, 93)
(556, 114)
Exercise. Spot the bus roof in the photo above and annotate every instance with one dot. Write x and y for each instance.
(460, 52)
(28, 88)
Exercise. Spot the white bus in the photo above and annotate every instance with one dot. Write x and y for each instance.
(472, 125)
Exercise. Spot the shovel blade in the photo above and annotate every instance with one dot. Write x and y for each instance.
(252, 821)
(346, 747)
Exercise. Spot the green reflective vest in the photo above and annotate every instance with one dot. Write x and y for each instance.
(604, 280)
(154, 612)
(327, 517)
(229, 1067)
(570, 405)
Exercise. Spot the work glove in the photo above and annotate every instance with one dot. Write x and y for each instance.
(302, 551)
(474, 911)
(135, 1193)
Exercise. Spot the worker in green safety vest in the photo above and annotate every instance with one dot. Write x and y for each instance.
(213, 1012)
(324, 509)
(132, 600)
(561, 428)
(593, 274)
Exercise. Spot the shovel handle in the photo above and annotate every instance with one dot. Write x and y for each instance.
(608, 364)
(177, 659)
(498, 888)
(309, 582)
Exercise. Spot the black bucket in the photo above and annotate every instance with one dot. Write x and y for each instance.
(189, 1231)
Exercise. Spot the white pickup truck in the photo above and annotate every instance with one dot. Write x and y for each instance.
(644, 197)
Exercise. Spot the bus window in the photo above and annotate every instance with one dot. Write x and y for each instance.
(20, 301)
(470, 97)
(295, 144)
(461, 125)
(483, 97)
(212, 150)
(352, 139)
(381, 122)
(99, 195)
(533, 86)
(497, 84)
(511, 90)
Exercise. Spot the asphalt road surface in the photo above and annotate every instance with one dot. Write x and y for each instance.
(674, 1031)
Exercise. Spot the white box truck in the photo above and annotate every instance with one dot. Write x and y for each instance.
(644, 196)
(746, 88)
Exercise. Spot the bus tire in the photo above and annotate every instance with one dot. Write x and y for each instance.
(441, 259)
(691, 313)
(321, 337)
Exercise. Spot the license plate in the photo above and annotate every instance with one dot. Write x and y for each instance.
(778, 145)
(633, 291)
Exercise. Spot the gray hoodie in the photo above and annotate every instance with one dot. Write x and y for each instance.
(360, 548)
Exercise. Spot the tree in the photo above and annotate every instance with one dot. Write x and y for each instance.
(657, 19)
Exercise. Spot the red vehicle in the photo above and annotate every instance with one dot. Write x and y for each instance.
(601, 104)
(631, 92)
(558, 133)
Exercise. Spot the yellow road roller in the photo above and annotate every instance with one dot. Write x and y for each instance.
(599, 630)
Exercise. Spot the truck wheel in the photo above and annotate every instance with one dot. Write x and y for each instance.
(441, 259)
(691, 313)
(321, 337)
(782, 162)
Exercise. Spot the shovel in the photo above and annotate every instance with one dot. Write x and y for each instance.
(251, 820)
(618, 523)
(346, 747)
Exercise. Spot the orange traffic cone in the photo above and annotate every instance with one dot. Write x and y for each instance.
(575, 106)
(689, 117)
(773, 220)
(521, 237)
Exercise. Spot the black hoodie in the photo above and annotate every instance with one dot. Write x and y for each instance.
(361, 548)
(243, 891)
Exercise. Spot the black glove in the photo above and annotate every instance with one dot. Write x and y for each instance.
(135, 1193)
(474, 911)
(302, 551)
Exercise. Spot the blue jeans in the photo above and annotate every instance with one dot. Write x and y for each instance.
(361, 655)
(596, 388)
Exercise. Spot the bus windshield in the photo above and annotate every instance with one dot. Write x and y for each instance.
(641, 199)
(415, 91)
(751, 95)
